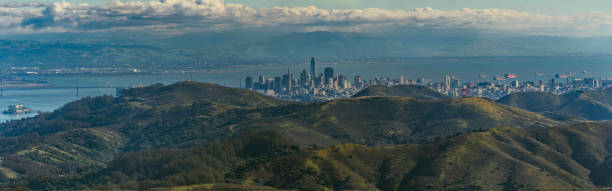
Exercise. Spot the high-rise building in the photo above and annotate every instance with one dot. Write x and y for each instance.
(304, 78)
(269, 83)
(447, 81)
(342, 82)
(328, 74)
(330, 83)
(248, 83)
(289, 80)
(313, 67)
(455, 83)
(358, 81)
(319, 81)
(284, 81)
(262, 80)
(277, 83)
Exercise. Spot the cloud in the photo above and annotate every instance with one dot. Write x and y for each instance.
(198, 15)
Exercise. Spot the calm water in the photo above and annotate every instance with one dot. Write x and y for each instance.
(468, 69)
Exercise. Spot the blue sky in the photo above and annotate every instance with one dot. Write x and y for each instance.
(553, 7)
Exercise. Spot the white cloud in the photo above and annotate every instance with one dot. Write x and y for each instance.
(181, 15)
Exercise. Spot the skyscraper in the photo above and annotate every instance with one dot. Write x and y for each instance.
(277, 83)
(289, 79)
(358, 80)
(342, 81)
(262, 80)
(313, 67)
(248, 83)
(455, 83)
(328, 73)
(447, 82)
(304, 78)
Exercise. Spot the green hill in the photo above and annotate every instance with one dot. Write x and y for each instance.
(575, 157)
(90, 132)
(413, 91)
(189, 92)
(586, 105)
(559, 158)
(388, 120)
(85, 135)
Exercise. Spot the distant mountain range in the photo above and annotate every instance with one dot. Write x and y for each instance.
(213, 137)
(213, 49)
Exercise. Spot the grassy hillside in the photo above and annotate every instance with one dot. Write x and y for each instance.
(86, 135)
(412, 91)
(559, 158)
(575, 157)
(90, 132)
(586, 105)
(388, 120)
(189, 92)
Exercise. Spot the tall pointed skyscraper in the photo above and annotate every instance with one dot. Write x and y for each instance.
(313, 67)
(289, 79)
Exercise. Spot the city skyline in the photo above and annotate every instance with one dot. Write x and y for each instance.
(329, 85)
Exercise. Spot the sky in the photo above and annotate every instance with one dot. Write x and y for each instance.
(553, 7)
(529, 17)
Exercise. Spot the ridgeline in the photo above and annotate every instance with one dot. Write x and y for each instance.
(192, 135)
(413, 91)
(578, 104)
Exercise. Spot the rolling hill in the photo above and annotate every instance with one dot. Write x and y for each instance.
(575, 157)
(587, 105)
(90, 132)
(388, 120)
(86, 135)
(413, 91)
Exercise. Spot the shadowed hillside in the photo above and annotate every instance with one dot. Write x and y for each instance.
(586, 105)
(86, 135)
(389, 120)
(413, 91)
(90, 132)
(575, 157)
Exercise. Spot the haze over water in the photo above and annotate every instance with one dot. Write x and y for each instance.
(468, 69)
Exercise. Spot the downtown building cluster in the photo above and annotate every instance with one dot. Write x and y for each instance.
(313, 86)
(306, 86)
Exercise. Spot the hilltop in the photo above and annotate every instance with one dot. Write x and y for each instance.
(388, 120)
(587, 105)
(88, 134)
(413, 91)
(558, 158)
(188, 92)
